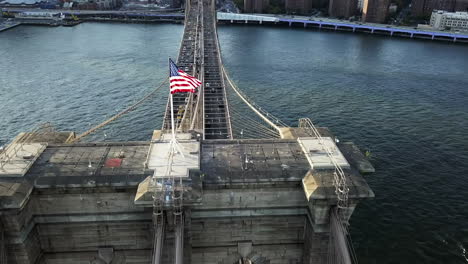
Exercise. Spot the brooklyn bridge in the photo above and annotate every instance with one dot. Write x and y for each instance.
(244, 187)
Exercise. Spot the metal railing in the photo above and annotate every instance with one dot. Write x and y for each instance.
(339, 180)
(340, 250)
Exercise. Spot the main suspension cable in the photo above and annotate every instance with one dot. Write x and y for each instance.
(272, 120)
(115, 117)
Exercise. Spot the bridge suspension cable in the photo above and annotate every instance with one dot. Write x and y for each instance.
(120, 114)
(261, 124)
(247, 127)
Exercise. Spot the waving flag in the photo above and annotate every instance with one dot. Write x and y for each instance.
(181, 82)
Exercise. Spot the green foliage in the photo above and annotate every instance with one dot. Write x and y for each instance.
(414, 20)
(275, 10)
(239, 4)
(276, 7)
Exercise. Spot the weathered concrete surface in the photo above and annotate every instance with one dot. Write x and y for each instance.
(355, 156)
(14, 195)
(64, 210)
(185, 159)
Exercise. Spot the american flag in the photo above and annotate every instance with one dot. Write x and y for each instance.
(181, 82)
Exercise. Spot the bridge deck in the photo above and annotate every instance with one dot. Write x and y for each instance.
(186, 61)
(199, 54)
(216, 117)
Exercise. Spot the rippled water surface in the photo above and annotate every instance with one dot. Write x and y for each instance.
(77, 77)
(406, 101)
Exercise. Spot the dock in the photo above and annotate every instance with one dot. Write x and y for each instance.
(6, 25)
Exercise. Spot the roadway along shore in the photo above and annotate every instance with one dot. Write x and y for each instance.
(177, 16)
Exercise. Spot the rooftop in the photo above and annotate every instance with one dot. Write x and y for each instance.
(220, 163)
(244, 161)
(89, 165)
(19, 2)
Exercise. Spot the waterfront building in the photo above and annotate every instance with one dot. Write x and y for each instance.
(461, 5)
(425, 7)
(256, 6)
(91, 4)
(417, 7)
(319, 4)
(176, 3)
(360, 5)
(442, 20)
(22, 3)
(393, 8)
(160, 3)
(105, 4)
(342, 8)
(298, 6)
(375, 11)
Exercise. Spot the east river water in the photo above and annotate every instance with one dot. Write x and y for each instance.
(404, 100)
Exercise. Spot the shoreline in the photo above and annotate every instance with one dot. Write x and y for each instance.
(327, 24)
(7, 25)
(243, 19)
(361, 32)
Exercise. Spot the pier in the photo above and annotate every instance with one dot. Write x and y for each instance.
(317, 23)
(5, 25)
(336, 25)
(244, 188)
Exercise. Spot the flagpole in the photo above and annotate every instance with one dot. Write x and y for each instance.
(174, 144)
(173, 140)
(172, 119)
